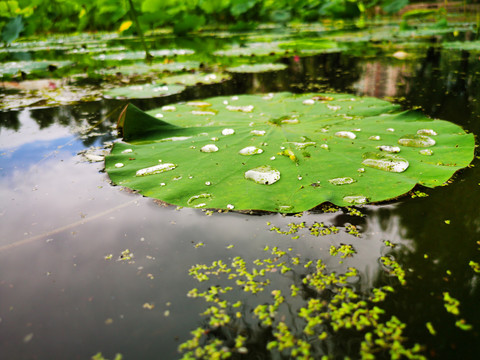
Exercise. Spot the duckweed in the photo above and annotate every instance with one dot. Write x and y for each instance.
(328, 304)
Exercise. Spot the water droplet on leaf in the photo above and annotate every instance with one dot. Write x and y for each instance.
(389, 149)
(302, 145)
(265, 175)
(199, 103)
(386, 162)
(250, 150)
(157, 169)
(342, 181)
(209, 148)
(202, 113)
(246, 109)
(176, 138)
(334, 107)
(416, 141)
(374, 137)
(258, 132)
(426, 152)
(346, 134)
(429, 132)
(228, 132)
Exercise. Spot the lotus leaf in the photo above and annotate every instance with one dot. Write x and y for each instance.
(144, 91)
(198, 78)
(256, 68)
(143, 68)
(312, 46)
(253, 49)
(463, 45)
(11, 68)
(138, 55)
(283, 152)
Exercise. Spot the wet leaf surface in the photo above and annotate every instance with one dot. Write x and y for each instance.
(283, 152)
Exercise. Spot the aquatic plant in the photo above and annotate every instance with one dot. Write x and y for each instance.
(283, 152)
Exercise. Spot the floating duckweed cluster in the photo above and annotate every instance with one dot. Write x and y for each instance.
(452, 306)
(394, 268)
(323, 302)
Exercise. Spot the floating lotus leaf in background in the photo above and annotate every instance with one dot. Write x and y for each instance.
(256, 68)
(283, 152)
(312, 46)
(143, 68)
(253, 49)
(461, 45)
(198, 78)
(12, 68)
(138, 55)
(95, 50)
(144, 91)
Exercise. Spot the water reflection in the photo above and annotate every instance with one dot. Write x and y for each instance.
(60, 217)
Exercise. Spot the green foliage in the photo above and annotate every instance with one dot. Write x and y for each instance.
(209, 154)
(12, 30)
(393, 6)
(41, 16)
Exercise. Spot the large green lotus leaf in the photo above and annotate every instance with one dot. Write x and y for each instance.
(256, 68)
(283, 152)
(144, 91)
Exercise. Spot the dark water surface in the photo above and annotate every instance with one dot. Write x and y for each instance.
(59, 217)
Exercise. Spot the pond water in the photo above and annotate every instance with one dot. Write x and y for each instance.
(62, 296)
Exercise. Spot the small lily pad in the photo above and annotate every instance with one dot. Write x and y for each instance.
(252, 49)
(256, 68)
(12, 68)
(463, 45)
(142, 68)
(144, 91)
(138, 55)
(198, 78)
(283, 152)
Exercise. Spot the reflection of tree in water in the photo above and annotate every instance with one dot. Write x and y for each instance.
(45, 117)
(447, 85)
(92, 121)
(324, 72)
(438, 262)
(9, 120)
